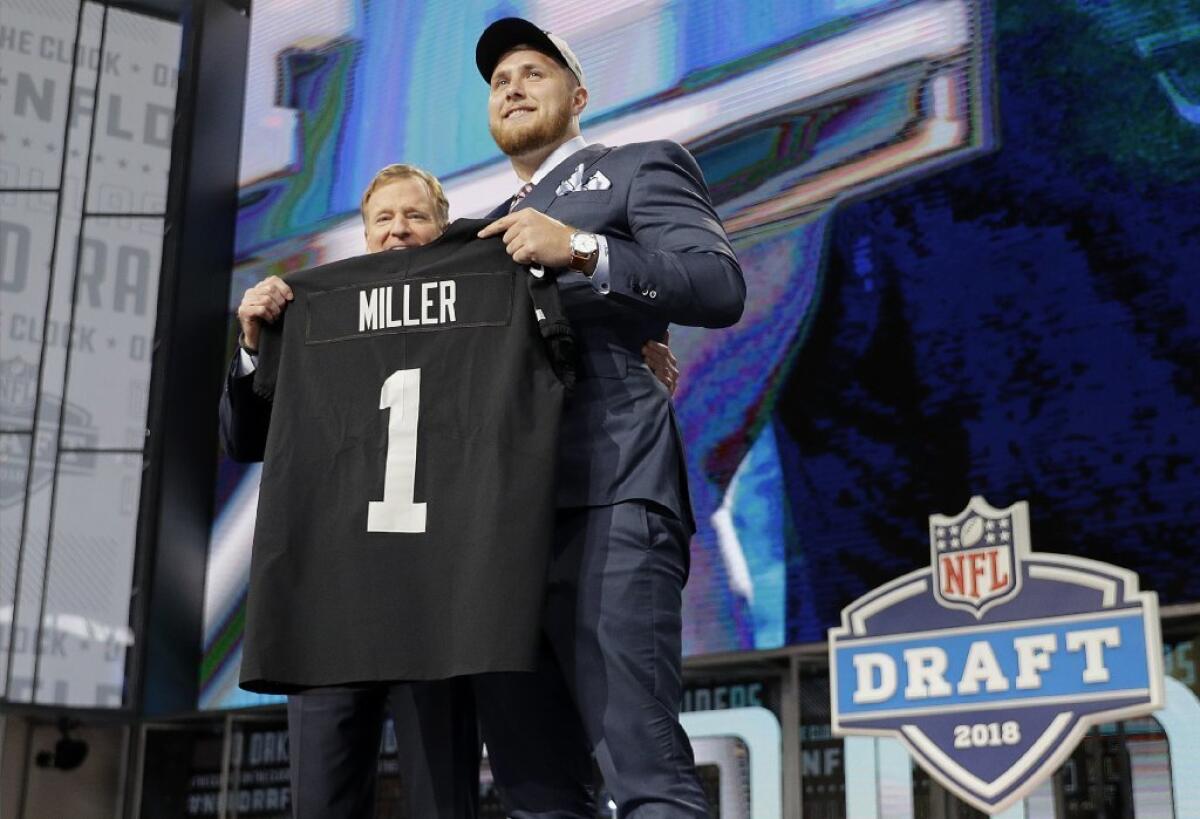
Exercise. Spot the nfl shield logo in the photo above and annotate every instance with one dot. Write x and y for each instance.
(18, 393)
(977, 555)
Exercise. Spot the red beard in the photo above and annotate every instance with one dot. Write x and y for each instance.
(533, 136)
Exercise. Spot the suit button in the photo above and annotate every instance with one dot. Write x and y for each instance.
(645, 292)
(653, 294)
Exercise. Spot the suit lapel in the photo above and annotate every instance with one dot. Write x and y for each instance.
(543, 195)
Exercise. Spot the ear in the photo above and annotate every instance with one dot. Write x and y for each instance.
(579, 100)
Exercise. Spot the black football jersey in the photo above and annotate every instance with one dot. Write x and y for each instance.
(407, 498)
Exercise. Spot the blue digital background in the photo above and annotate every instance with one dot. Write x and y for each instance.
(1024, 326)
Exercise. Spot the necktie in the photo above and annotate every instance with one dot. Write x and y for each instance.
(521, 194)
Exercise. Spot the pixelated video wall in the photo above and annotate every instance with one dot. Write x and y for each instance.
(966, 237)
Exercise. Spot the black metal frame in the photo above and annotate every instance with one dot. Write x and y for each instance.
(189, 348)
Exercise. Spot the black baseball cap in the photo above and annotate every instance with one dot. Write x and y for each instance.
(506, 34)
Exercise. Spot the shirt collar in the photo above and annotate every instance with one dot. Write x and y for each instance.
(560, 153)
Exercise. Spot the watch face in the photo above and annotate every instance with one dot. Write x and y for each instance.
(583, 244)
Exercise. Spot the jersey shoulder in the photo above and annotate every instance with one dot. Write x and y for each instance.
(346, 271)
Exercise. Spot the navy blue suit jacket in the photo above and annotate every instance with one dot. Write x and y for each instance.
(669, 262)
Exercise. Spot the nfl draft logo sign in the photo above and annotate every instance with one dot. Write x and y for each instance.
(992, 663)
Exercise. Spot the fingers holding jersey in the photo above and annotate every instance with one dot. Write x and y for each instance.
(530, 236)
(276, 289)
(262, 303)
(521, 253)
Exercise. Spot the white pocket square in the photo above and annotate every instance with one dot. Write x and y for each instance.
(574, 182)
(598, 182)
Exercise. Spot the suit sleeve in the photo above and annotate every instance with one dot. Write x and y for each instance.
(680, 264)
(244, 417)
(270, 352)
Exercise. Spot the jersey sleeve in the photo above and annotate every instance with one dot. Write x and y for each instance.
(554, 326)
(270, 350)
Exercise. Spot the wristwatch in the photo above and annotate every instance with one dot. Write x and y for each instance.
(584, 250)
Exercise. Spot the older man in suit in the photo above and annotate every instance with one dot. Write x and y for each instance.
(640, 246)
(334, 732)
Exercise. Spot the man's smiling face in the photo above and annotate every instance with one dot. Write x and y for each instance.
(532, 101)
(400, 214)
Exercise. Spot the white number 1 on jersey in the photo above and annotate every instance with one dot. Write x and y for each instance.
(397, 512)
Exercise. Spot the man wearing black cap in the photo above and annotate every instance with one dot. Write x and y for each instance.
(639, 246)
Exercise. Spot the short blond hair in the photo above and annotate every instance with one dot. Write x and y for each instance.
(391, 173)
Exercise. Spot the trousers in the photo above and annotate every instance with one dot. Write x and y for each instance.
(609, 679)
(334, 736)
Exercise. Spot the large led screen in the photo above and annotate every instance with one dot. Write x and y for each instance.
(965, 238)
